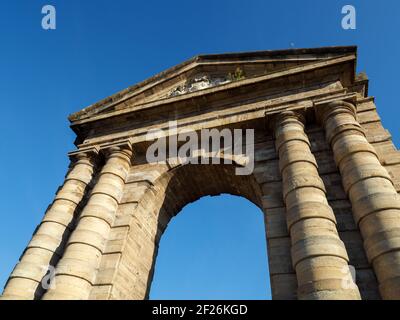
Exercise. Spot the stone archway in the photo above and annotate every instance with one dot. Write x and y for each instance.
(326, 176)
(169, 194)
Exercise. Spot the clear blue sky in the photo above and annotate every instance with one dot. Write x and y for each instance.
(101, 47)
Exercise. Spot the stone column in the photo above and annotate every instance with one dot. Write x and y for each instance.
(45, 248)
(76, 271)
(318, 255)
(375, 202)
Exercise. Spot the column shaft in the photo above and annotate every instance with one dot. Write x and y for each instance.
(375, 202)
(318, 255)
(46, 245)
(76, 271)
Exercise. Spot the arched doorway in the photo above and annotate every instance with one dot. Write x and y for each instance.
(214, 249)
(171, 191)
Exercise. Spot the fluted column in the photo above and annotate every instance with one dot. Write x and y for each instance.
(76, 271)
(45, 248)
(375, 202)
(319, 256)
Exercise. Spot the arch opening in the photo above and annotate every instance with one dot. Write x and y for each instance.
(175, 190)
(216, 249)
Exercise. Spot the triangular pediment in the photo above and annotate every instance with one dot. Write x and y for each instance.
(204, 72)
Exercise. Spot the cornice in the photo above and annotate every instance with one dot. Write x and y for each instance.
(237, 114)
(304, 54)
(221, 88)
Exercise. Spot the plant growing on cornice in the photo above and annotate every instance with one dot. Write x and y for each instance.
(237, 75)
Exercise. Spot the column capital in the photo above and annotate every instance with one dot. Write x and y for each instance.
(337, 117)
(118, 149)
(286, 116)
(330, 109)
(85, 154)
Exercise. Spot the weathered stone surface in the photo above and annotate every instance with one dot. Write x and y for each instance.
(326, 178)
(87, 243)
(375, 202)
(47, 244)
(310, 219)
